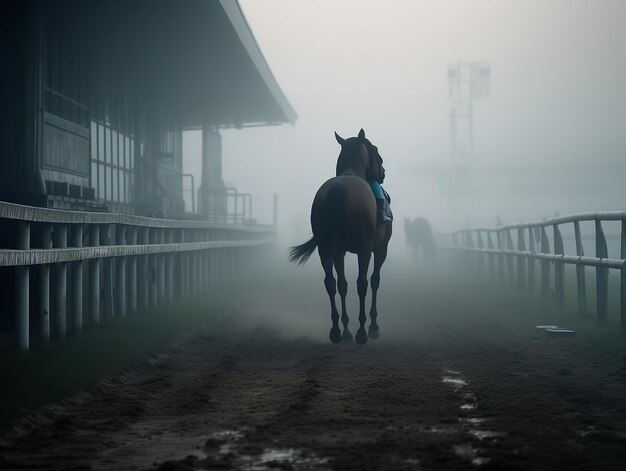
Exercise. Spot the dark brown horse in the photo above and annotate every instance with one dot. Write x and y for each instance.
(343, 219)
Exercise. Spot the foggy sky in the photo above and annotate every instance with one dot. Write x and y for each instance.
(557, 100)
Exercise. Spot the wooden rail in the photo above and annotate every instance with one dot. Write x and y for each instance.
(132, 262)
(517, 263)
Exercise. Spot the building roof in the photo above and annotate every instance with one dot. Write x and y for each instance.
(199, 56)
(241, 26)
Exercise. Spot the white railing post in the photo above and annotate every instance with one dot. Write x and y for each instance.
(43, 241)
(623, 279)
(94, 276)
(521, 263)
(509, 257)
(76, 284)
(480, 254)
(169, 268)
(492, 266)
(545, 265)
(152, 267)
(580, 272)
(131, 239)
(120, 273)
(143, 272)
(161, 266)
(602, 275)
(500, 240)
(559, 267)
(531, 259)
(107, 273)
(469, 255)
(59, 284)
(181, 269)
(22, 289)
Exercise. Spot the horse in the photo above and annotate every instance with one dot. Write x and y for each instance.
(343, 219)
(418, 234)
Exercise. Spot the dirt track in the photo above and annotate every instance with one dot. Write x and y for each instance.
(450, 385)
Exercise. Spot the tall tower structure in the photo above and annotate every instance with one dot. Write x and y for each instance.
(468, 82)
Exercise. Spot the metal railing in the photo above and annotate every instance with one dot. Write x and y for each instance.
(133, 262)
(518, 262)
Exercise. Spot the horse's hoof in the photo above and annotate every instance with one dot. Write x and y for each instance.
(347, 336)
(361, 337)
(335, 335)
(374, 332)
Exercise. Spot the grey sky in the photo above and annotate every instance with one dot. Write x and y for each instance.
(557, 91)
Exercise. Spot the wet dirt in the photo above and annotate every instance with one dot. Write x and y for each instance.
(244, 395)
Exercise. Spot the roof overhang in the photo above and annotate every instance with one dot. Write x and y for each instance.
(199, 58)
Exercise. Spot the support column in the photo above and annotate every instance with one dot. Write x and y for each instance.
(59, 284)
(94, 277)
(22, 289)
(120, 273)
(76, 284)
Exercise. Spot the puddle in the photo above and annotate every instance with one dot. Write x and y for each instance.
(474, 420)
(446, 430)
(484, 434)
(457, 382)
(281, 458)
(472, 454)
(228, 449)
(229, 435)
(471, 425)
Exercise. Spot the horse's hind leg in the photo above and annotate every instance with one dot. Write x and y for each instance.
(379, 257)
(361, 286)
(329, 282)
(342, 287)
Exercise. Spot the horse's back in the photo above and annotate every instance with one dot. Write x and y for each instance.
(343, 215)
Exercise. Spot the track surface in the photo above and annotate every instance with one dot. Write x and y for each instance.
(455, 382)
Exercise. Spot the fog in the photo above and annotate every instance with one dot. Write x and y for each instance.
(548, 138)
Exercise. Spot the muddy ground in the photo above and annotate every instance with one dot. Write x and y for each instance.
(459, 379)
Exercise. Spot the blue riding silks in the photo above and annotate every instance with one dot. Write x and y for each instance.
(378, 191)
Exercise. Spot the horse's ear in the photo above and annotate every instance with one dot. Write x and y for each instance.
(361, 135)
(340, 139)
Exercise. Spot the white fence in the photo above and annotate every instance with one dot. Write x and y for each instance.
(133, 262)
(517, 262)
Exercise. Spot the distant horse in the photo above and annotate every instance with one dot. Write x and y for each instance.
(343, 219)
(419, 234)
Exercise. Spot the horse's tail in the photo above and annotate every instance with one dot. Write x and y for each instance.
(300, 253)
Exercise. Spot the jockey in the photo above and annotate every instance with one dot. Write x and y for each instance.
(383, 213)
(383, 210)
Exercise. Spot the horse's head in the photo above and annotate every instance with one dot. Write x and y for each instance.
(360, 157)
